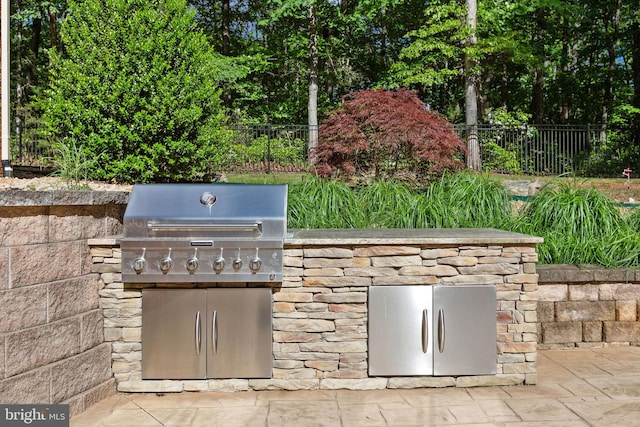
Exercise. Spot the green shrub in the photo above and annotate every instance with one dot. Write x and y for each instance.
(499, 159)
(137, 89)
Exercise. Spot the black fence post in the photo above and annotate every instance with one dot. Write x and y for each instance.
(589, 148)
(527, 147)
(269, 148)
(19, 133)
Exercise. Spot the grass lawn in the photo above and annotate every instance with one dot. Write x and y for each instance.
(255, 178)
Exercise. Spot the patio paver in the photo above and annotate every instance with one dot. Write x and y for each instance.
(576, 387)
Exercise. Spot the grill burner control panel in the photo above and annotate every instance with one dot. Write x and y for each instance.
(193, 262)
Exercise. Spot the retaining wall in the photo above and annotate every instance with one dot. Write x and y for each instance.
(588, 306)
(52, 347)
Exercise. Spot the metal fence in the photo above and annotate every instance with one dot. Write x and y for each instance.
(271, 148)
(28, 145)
(536, 149)
(267, 148)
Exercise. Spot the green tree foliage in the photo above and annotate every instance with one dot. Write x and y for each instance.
(561, 61)
(381, 132)
(137, 90)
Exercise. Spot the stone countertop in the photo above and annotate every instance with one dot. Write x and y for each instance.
(14, 198)
(392, 236)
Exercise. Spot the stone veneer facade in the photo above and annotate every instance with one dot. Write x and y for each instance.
(320, 308)
(52, 347)
(585, 306)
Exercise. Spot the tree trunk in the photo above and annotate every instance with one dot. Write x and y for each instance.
(225, 35)
(612, 41)
(537, 96)
(225, 32)
(565, 94)
(635, 52)
(471, 97)
(313, 82)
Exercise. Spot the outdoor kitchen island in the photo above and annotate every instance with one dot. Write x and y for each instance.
(320, 309)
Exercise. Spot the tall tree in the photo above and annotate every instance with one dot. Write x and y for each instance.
(313, 81)
(635, 63)
(470, 93)
(611, 22)
(538, 89)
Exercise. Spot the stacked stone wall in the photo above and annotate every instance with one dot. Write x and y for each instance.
(320, 314)
(588, 306)
(52, 347)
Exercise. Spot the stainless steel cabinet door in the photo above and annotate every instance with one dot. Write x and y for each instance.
(239, 333)
(400, 340)
(173, 334)
(465, 329)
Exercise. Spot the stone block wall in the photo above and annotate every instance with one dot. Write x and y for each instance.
(52, 347)
(588, 306)
(320, 313)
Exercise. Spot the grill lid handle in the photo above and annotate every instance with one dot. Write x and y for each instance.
(256, 227)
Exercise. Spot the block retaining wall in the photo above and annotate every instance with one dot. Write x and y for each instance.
(588, 306)
(52, 347)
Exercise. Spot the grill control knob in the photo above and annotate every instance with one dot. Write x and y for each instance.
(192, 264)
(218, 265)
(139, 264)
(237, 264)
(255, 264)
(166, 264)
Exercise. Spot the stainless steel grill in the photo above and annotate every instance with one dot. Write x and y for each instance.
(204, 233)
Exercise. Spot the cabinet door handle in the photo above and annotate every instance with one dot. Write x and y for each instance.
(214, 331)
(441, 330)
(425, 331)
(198, 335)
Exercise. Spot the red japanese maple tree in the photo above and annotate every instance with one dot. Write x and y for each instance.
(384, 132)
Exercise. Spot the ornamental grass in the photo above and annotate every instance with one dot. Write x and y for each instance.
(580, 225)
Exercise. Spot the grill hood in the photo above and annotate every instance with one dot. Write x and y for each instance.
(176, 210)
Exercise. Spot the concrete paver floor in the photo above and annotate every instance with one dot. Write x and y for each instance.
(576, 387)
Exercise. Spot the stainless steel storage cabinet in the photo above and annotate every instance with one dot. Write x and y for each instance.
(206, 333)
(432, 330)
